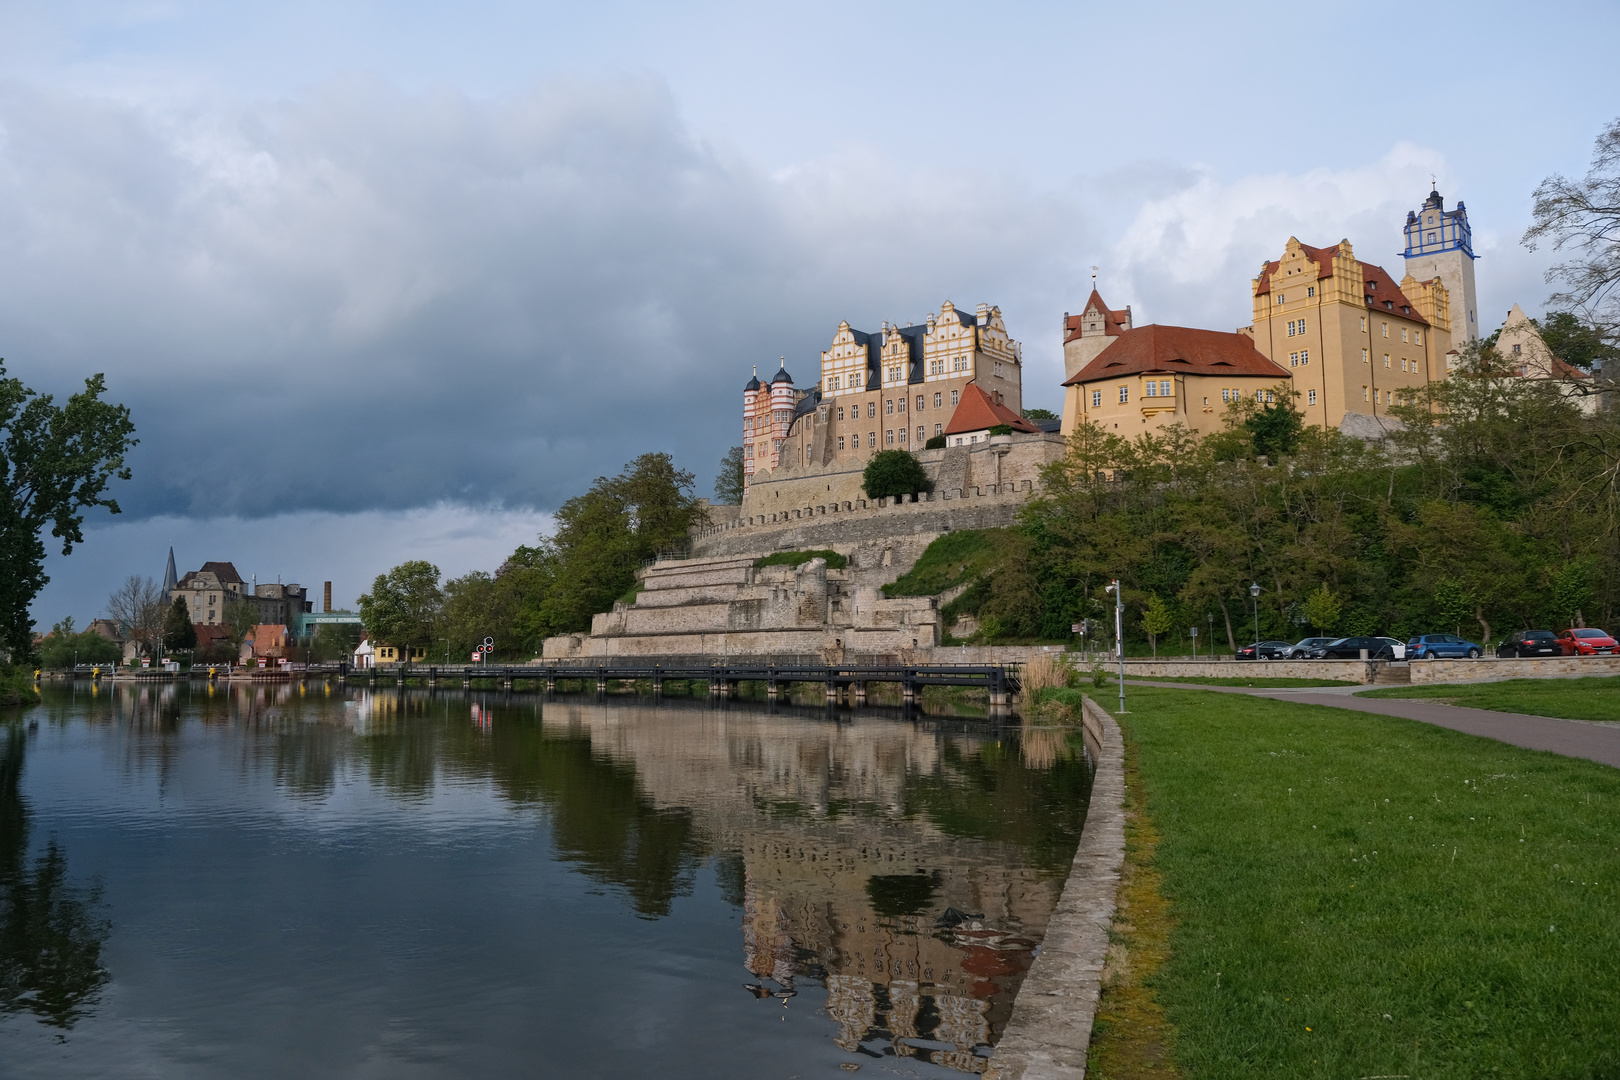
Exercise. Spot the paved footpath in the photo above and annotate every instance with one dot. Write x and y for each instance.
(1572, 738)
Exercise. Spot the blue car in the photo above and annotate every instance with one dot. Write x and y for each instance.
(1437, 646)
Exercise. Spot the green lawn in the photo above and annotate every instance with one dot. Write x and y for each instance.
(1362, 896)
(1595, 698)
(1209, 680)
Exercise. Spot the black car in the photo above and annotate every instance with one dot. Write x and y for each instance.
(1303, 649)
(1530, 643)
(1268, 650)
(1349, 648)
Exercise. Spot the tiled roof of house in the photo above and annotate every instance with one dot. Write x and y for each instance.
(979, 411)
(1178, 349)
(1380, 291)
(209, 633)
(223, 570)
(1113, 321)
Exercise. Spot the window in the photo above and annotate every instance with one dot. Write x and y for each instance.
(1310, 398)
(888, 437)
(1417, 336)
(840, 412)
(871, 438)
(902, 404)
(1096, 399)
(1310, 290)
(1304, 357)
(1164, 388)
(748, 451)
(921, 436)
(919, 403)
(211, 597)
(997, 371)
(1124, 394)
(1386, 360)
(888, 407)
(1302, 326)
(1363, 393)
(956, 396)
(1280, 299)
(776, 444)
(1290, 327)
(1386, 330)
(1515, 350)
(1403, 333)
(871, 409)
(1293, 359)
(1364, 324)
(840, 442)
(1151, 389)
(1363, 353)
(939, 429)
(1403, 363)
(936, 401)
(1431, 238)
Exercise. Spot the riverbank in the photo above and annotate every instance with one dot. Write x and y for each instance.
(1356, 895)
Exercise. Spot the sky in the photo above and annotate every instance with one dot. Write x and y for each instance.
(390, 281)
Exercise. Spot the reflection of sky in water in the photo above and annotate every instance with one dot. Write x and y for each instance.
(314, 886)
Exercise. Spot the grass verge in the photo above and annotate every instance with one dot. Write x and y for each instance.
(1359, 896)
(835, 561)
(951, 560)
(1210, 680)
(1593, 698)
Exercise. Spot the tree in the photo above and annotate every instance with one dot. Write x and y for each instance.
(892, 473)
(238, 617)
(1040, 414)
(333, 641)
(62, 650)
(138, 607)
(1583, 216)
(728, 485)
(402, 609)
(1322, 609)
(178, 630)
(1157, 619)
(54, 462)
(1574, 341)
(1276, 425)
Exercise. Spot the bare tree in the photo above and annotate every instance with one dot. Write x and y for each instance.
(1583, 217)
(139, 607)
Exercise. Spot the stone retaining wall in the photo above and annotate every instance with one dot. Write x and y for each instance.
(1490, 669)
(1050, 1028)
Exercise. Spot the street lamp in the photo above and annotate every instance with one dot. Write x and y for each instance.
(1119, 637)
(1254, 591)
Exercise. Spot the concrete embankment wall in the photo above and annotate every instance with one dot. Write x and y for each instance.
(1050, 1028)
(1490, 669)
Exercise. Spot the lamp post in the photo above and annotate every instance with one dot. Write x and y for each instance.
(1254, 591)
(1119, 638)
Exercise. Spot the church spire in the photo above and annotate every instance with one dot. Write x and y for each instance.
(170, 579)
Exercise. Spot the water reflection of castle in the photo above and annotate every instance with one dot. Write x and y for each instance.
(845, 871)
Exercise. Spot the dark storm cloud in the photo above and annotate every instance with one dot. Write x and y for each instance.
(358, 298)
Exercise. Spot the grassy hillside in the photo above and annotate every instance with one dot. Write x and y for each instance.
(954, 559)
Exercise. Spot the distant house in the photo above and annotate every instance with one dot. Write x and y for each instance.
(387, 654)
(212, 640)
(365, 656)
(980, 411)
(114, 632)
(267, 641)
(206, 591)
(1521, 348)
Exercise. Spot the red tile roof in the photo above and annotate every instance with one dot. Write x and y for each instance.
(1380, 290)
(978, 411)
(1113, 321)
(1178, 349)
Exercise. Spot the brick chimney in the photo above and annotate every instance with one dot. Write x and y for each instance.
(326, 604)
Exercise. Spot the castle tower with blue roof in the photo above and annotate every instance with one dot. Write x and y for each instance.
(1439, 244)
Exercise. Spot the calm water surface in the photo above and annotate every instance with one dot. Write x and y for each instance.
(253, 882)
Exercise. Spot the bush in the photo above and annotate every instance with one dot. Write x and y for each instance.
(891, 473)
(835, 561)
(935, 443)
(1001, 429)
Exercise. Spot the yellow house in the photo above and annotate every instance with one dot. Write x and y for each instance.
(1355, 341)
(1151, 376)
(388, 654)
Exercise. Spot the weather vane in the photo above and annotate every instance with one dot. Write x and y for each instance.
(1093, 277)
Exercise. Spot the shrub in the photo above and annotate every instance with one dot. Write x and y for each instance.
(891, 473)
(1001, 429)
(935, 443)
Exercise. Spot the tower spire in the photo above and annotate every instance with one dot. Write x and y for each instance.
(170, 579)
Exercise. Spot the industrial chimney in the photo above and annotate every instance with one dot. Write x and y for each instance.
(326, 605)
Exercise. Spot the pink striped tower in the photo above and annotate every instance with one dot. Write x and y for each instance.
(752, 409)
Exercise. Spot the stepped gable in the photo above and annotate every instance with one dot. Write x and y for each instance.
(1113, 322)
(1380, 290)
(1179, 349)
(978, 411)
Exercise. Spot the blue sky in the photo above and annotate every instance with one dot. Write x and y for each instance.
(381, 280)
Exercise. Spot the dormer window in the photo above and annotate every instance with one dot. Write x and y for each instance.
(1372, 286)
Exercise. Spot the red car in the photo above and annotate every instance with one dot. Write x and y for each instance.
(1585, 642)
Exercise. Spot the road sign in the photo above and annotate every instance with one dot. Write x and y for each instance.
(477, 656)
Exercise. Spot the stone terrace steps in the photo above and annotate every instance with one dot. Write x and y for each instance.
(688, 573)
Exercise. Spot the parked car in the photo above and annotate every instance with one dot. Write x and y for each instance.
(1530, 643)
(1349, 648)
(1585, 642)
(1397, 647)
(1301, 650)
(1436, 646)
(1268, 650)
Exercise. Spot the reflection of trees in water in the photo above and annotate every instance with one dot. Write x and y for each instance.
(50, 931)
(990, 793)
